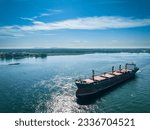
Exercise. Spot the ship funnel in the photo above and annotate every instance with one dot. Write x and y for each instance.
(93, 73)
(112, 69)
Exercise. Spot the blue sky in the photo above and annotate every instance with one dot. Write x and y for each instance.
(74, 23)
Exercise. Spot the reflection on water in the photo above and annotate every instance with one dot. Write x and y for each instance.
(47, 85)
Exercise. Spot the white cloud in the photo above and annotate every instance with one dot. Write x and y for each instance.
(11, 31)
(29, 19)
(80, 41)
(44, 14)
(49, 34)
(48, 13)
(38, 23)
(54, 11)
(77, 41)
(88, 23)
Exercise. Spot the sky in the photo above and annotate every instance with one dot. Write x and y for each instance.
(74, 23)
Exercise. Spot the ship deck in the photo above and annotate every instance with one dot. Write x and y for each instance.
(105, 76)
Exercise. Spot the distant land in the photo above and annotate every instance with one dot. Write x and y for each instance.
(43, 53)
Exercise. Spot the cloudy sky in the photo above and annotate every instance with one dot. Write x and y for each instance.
(74, 23)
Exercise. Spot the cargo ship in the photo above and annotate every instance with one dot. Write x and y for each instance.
(97, 83)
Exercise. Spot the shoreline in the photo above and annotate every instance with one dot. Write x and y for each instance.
(43, 53)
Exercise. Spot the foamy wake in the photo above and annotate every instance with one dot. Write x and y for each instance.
(60, 96)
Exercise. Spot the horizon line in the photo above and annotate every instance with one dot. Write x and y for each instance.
(75, 48)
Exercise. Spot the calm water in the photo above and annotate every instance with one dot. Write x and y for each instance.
(47, 85)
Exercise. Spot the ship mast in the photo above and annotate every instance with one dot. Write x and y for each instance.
(112, 69)
(126, 67)
(93, 73)
(120, 68)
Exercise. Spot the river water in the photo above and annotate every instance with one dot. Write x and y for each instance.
(47, 85)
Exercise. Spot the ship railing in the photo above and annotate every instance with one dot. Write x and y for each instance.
(81, 79)
(130, 66)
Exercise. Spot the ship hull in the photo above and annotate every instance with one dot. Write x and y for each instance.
(94, 89)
